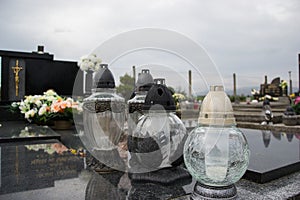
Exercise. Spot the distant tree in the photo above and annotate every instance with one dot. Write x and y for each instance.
(171, 89)
(180, 91)
(126, 86)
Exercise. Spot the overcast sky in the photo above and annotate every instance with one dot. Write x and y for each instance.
(249, 38)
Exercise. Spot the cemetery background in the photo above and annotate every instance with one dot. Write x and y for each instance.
(63, 166)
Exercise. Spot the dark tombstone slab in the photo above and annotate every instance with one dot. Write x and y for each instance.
(274, 89)
(276, 81)
(31, 166)
(273, 155)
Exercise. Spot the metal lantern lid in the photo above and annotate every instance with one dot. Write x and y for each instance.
(159, 94)
(216, 108)
(145, 80)
(104, 78)
(160, 81)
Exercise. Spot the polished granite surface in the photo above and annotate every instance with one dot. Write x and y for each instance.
(13, 131)
(273, 154)
(48, 169)
(271, 150)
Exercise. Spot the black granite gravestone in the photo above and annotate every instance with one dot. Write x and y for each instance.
(31, 166)
(33, 73)
(24, 73)
(274, 89)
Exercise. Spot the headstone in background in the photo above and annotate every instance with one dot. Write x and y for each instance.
(33, 73)
(25, 73)
(273, 88)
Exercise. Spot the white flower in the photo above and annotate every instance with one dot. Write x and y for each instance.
(90, 62)
(15, 104)
(28, 99)
(43, 110)
(27, 115)
(30, 113)
(50, 93)
(80, 107)
(38, 102)
(50, 98)
(70, 100)
(24, 107)
(90, 65)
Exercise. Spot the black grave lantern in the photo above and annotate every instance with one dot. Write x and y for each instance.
(158, 139)
(145, 81)
(104, 118)
(143, 84)
(159, 94)
(136, 102)
(103, 78)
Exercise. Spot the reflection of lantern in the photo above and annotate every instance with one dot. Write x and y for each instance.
(104, 187)
(149, 189)
(103, 117)
(216, 153)
(157, 141)
(266, 137)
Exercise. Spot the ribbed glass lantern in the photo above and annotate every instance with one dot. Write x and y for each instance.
(216, 152)
(157, 142)
(103, 118)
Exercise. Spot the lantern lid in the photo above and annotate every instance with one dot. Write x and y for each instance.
(216, 108)
(161, 95)
(104, 78)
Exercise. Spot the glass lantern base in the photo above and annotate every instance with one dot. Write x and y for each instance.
(209, 192)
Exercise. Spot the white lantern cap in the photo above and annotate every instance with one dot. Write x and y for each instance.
(216, 108)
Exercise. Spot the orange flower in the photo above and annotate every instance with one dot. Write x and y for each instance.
(55, 107)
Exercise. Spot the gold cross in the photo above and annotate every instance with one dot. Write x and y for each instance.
(16, 70)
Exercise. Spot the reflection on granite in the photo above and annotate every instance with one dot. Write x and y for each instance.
(34, 166)
(273, 155)
(119, 186)
(106, 187)
(39, 169)
(164, 176)
(30, 174)
(13, 131)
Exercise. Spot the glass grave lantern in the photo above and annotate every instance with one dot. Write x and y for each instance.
(216, 152)
(157, 142)
(103, 118)
(135, 104)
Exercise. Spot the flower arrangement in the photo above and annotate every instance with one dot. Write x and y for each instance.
(48, 148)
(49, 106)
(89, 63)
(178, 98)
(283, 84)
(254, 91)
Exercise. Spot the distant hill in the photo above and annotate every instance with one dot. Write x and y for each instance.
(247, 90)
(240, 91)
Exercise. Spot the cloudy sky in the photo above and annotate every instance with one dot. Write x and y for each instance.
(249, 38)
